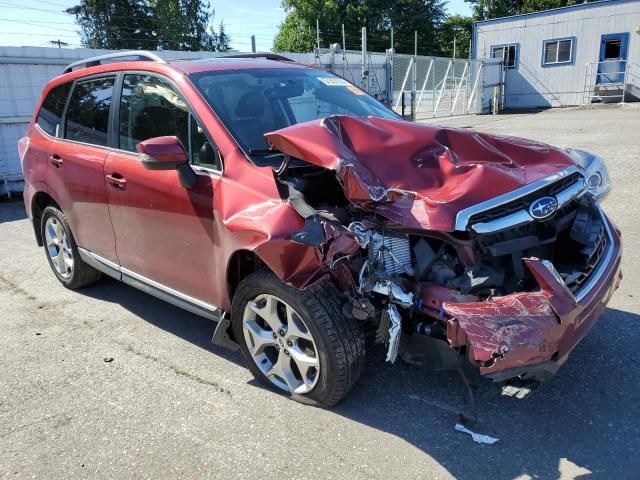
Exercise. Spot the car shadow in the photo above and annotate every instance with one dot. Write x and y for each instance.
(181, 323)
(12, 209)
(580, 424)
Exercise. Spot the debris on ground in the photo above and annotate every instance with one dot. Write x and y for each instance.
(477, 437)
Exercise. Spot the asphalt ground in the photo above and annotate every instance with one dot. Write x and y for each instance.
(108, 382)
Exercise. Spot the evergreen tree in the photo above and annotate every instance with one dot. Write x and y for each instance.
(149, 24)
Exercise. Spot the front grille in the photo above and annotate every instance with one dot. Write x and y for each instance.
(575, 240)
(523, 203)
(593, 261)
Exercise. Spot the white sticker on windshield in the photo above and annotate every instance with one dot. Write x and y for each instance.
(334, 81)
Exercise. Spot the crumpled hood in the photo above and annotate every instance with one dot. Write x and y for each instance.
(417, 175)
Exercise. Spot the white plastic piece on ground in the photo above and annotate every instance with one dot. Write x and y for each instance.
(477, 437)
(394, 333)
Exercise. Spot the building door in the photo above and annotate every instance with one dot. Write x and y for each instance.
(509, 54)
(613, 59)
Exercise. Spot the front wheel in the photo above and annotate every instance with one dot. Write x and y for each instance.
(297, 341)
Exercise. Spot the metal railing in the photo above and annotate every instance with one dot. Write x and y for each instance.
(413, 85)
(610, 79)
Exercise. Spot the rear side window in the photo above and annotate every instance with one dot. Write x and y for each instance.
(50, 114)
(88, 112)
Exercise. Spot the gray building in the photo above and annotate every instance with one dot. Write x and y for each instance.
(566, 56)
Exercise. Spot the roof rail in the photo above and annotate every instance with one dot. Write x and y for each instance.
(136, 55)
(266, 56)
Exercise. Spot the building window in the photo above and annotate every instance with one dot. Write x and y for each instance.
(558, 51)
(508, 53)
(613, 49)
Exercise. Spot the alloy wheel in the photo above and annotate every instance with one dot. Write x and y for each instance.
(58, 247)
(280, 344)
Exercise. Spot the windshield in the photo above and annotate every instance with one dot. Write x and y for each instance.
(253, 102)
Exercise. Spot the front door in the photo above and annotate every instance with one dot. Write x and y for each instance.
(76, 166)
(613, 59)
(164, 232)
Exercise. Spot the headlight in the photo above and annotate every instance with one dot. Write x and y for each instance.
(597, 175)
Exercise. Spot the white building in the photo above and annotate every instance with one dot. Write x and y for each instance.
(566, 56)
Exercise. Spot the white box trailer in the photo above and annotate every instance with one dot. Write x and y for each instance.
(565, 56)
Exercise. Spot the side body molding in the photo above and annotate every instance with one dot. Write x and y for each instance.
(156, 289)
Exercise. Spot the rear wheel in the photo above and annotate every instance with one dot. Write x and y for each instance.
(297, 341)
(62, 251)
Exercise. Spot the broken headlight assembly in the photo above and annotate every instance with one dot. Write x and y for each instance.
(597, 175)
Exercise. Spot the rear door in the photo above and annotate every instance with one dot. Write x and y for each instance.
(76, 170)
(164, 232)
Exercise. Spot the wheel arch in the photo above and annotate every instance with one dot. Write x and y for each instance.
(241, 264)
(39, 202)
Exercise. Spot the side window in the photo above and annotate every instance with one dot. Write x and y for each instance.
(557, 51)
(50, 114)
(508, 54)
(151, 107)
(88, 112)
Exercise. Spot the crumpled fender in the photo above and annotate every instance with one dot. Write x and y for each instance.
(417, 175)
(256, 219)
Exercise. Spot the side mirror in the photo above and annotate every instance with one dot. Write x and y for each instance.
(162, 153)
(167, 153)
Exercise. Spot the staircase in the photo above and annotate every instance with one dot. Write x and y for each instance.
(599, 89)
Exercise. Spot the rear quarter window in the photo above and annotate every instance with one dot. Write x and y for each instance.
(50, 114)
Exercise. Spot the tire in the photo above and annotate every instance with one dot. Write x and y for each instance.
(338, 341)
(78, 274)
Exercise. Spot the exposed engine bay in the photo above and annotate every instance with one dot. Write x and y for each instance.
(492, 288)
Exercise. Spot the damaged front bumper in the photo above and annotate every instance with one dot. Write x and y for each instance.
(530, 335)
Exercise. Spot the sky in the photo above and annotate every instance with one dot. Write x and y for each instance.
(36, 22)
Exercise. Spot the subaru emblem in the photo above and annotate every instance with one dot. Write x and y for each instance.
(543, 208)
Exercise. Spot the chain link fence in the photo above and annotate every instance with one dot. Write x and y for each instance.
(418, 87)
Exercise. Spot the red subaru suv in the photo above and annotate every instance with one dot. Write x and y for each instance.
(303, 216)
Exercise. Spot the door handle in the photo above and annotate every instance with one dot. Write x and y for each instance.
(116, 181)
(55, 160)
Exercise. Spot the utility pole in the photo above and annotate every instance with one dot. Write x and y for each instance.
(344, 55)
(390, 66)
(58, 43)
(365, 72)
(415, 75)
(454, 44)
(318, 33)
(253, 44)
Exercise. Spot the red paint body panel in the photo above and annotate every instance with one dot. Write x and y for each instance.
(417, 175)
(161, 227)
(79, 188)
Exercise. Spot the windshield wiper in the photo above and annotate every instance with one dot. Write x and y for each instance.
(263, 152)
